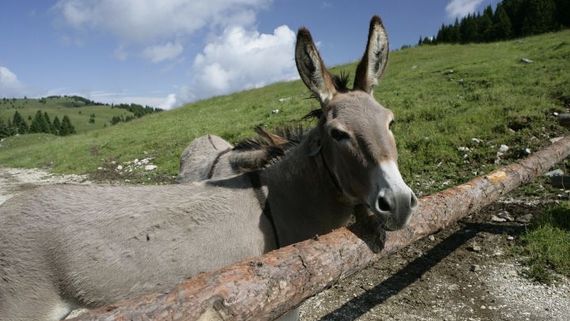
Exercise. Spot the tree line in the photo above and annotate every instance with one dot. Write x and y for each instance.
(511, 19)
(40, 123)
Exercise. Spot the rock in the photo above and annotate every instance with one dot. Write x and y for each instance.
(463, 149)
(497, 219)
(475, 248)
(506, 215)
(431, 238)
(525, 218)
(503, 148)
(449, 72)
(476, 140)
(526, 61)
(275, 111)
(150, 167)
(527, 151)
(555, 139)
(475, 268)
(120, 167)
(510, 238)
(556, 172)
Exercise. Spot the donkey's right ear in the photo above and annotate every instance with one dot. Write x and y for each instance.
(312, 69)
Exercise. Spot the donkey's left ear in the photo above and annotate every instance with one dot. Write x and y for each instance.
(375, 58)
(312, 69)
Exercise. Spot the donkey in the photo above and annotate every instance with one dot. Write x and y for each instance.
(211, 156)
(63, 247)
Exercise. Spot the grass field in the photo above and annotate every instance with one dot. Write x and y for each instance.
(59, 107)
(443, 97)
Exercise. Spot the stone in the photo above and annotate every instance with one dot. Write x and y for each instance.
(524, 218)
(150, 167)
(475, 268)
(497, 219)
(506, 215)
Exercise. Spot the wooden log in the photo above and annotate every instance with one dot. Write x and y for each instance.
(263, 288)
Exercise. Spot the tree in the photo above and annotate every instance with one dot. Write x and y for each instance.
(486, 25)
(502, 28)
(49, 123)
(19, 123)
(469, 29)
(39, 124)
(56, 125)
(66, 127)
(5, 131)
(539, 17)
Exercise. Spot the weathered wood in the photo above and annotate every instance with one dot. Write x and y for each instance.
(265, 287)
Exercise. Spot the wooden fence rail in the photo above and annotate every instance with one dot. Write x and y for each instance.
(263, 288)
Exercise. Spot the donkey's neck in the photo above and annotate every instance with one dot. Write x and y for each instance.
(303, 197)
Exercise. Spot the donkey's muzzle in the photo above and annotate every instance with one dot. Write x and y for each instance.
(395, 200)
(396, 208)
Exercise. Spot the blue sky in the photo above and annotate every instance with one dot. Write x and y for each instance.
(167, 52)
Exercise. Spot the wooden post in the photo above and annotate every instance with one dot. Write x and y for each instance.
(263, 288)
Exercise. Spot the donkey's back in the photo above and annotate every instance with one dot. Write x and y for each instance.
(67, 246)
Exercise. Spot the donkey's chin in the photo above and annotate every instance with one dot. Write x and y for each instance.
(394, 222)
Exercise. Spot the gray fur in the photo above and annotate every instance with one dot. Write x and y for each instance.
(63, 247)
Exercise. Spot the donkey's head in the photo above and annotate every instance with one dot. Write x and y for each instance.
(355, 141)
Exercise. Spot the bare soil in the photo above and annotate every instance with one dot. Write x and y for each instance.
(465, 272)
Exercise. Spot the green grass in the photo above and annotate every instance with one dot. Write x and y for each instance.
(79, 116)
(546, 244)
(436, 112)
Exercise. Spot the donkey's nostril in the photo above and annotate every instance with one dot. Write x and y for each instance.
(384, 205)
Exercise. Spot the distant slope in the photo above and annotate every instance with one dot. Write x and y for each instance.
(443, 97)
(78, 112)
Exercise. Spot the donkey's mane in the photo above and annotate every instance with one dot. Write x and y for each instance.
(341, 81)
(277, 143)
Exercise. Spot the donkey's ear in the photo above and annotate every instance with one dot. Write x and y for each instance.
(312, 69)
(373, 63)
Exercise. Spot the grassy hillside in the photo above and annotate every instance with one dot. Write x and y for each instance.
(443, 97)
(77, 111)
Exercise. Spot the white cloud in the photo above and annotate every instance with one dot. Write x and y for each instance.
(461, 8)
(10, 86)
(241, 59)
(165, 102)
(147, 21)
(164, 52)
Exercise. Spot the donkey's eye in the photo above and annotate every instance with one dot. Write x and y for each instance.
(339, 135)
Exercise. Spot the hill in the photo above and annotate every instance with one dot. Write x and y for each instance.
(455, 105)
(85, 115)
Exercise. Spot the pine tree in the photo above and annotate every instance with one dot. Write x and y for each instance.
(39, 124)
(49, 124)
(4, 129)
(539, 17)
(563, 12)
(56, 125)
(19, 123)
(502, 28)
(486, 25)
(66, 127)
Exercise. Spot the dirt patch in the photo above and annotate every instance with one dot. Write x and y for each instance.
(17, 180)
(465, 272)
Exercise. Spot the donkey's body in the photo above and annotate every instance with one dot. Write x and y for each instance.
(67, 246)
